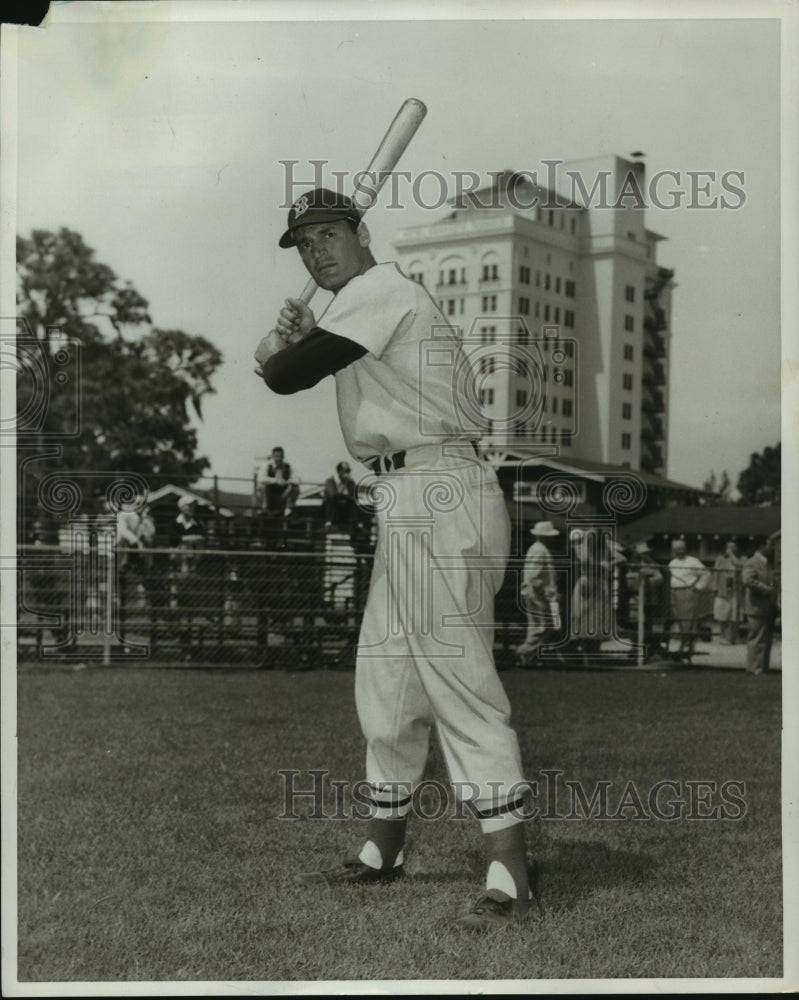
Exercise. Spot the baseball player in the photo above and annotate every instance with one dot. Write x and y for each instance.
(402, 422)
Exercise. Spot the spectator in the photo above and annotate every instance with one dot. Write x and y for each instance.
(135, 533)
(649, 601)
(339, 502)
(188, 534)
(539, 592)
(187, 530)
(282, 487)
(725, 603)
(688, 577)
(760, 605)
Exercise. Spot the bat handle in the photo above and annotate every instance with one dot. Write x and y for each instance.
(308, 292)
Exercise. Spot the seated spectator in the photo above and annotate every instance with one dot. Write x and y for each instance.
(282, 487)
(187, 530)
(339, 502)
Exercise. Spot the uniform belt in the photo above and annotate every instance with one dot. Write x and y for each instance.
(391, 463)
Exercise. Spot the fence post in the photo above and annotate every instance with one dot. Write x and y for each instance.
(641, 615)
(110, 594)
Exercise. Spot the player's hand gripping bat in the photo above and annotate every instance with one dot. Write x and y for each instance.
(367, 187)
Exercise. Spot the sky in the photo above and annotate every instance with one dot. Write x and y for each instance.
(161, 142)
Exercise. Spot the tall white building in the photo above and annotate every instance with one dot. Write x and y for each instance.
(564, 309)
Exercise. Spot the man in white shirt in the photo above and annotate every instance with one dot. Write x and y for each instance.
(425, 655)
(688, 577)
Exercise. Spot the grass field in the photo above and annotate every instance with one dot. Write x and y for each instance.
(150, 846)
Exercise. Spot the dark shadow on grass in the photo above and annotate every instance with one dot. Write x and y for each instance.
(578, 869)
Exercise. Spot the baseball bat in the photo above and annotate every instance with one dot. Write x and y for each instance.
(394, 143)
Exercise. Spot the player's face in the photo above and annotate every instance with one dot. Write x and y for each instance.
(332, 253)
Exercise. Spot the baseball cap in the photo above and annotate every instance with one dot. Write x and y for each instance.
(320, 205)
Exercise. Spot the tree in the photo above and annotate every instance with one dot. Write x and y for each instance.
(137, 383)
(759, 483)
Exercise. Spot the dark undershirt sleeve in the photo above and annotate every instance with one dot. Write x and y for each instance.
(301, 365)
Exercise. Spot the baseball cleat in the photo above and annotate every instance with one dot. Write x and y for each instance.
(352, 873)
(495, 909)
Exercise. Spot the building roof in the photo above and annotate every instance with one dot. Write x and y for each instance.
(598, 471)
(724, 520)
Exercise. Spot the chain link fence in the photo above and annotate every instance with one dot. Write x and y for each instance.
(278, 609)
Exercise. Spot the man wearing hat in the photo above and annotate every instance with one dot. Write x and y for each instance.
(400, 416)
(539, 591)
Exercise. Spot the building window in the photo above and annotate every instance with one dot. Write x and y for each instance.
(452, 276)
(554, 404)
(537, 309)
(488, 334)
(629, 323)
(524, 274)
(568, 377)
(463, 275)
(487, 366)
(573, 224)
(550, 218)
(521, 398)
(489, 303)
(450, 307)
(524, 306)
(629, 293)
(489, 426)
(627, 381)
(628, 352)
(547, 281)
(523, 335)
(568, 348)
(486, 397)
(557, 286)
(568, 318)
(418, 277)
(566, 408)
(490, 272)
(556, 317)
(569, 289)
(626, 441)
(626, 411)
(546, 312)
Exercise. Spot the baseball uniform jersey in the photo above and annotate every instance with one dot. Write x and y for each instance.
(425, 655)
